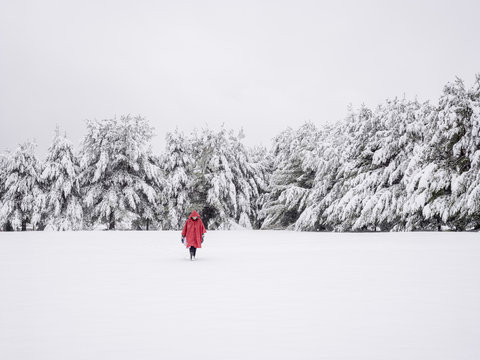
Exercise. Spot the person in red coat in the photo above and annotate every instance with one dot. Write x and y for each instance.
(192, 233)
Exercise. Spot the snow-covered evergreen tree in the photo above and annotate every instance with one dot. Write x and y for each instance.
(249, 179)
(442, 160)
(118, 173)
(226, 181)
(329, 156)
(177, 164)
(291, 182)
(23, 199)
(381, 186)
(459, 133)
(357, 153)
(63, 206)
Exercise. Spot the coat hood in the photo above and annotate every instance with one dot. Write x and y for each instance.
(194, 213)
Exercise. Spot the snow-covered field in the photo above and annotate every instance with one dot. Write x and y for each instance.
(249, 295)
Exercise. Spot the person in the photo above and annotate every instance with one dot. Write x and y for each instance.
(193, 233)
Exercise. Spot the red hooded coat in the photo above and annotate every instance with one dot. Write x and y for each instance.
(193, 231)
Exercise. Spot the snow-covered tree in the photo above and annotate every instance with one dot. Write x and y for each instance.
(177, 164)
(327, 184)
(442, 160)
(357, 154)
(380, 186)
(118, 173)
(226, 181)
(291, 182)
(250, 176)
(63, 206)
(458, 134)
(23, 199)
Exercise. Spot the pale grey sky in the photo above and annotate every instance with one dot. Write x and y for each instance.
(260, 65)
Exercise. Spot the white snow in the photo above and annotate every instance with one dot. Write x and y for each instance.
(250, 295)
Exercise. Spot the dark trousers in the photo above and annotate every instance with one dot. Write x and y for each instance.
(193, 250)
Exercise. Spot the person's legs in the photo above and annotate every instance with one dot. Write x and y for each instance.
(194, 251)
(191, 251)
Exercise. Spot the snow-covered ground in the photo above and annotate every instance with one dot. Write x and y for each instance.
(249, 295)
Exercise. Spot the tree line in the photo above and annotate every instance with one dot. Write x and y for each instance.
(402, 166)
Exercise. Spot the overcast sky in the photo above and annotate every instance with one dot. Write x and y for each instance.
(260, 65)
